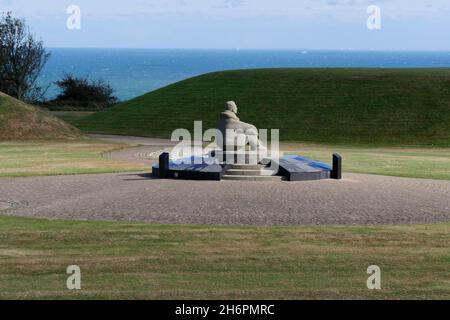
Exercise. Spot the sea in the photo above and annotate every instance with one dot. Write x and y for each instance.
(133, 72)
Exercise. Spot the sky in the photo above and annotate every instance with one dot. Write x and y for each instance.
(240, 24)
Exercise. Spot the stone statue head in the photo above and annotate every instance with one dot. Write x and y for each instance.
(231, 106)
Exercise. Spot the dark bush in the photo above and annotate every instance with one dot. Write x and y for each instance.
(81, 93)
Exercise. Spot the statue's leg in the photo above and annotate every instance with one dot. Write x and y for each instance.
(253, 142)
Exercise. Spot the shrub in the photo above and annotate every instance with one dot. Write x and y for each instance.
(82, 93)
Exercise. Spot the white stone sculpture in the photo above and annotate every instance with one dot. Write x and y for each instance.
(235, 132)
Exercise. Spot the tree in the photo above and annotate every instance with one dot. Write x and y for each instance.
(83, 93)
(22, 58)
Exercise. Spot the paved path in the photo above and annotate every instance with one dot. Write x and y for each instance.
(358, 199)
(133, 140)
(147, 153)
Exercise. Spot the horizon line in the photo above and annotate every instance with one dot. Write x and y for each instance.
(257, 49)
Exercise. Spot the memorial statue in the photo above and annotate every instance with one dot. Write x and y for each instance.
(241, 132)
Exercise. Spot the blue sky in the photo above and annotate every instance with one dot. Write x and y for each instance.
(243, 24)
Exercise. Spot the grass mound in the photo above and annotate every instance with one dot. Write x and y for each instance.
(368, 106)
(20, 121)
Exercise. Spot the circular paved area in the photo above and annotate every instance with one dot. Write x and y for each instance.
(358, 199)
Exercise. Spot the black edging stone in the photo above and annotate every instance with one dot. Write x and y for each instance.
(163, 165)
(336, 173)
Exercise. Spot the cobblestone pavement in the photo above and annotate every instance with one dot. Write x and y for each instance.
(357, 199)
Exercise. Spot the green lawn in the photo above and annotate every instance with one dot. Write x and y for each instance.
(350, 106)
(413, 162)
(144, 261)
(22, 158)
(33, 158)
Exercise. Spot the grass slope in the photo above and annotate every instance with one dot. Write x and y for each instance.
(144, 261)
(381, 106)
(20, 121)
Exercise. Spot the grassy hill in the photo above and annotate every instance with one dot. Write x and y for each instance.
(20, 121)
(380, 106)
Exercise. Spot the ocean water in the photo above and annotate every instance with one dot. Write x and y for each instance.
(132, 72)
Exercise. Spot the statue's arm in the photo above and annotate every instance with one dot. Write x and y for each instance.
(240, 126)
(249, 129)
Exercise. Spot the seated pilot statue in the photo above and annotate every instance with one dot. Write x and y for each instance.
(235, 132)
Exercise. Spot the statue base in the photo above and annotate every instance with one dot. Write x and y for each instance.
(290, 168)
(240, 157)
